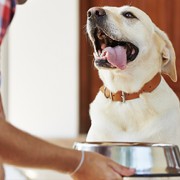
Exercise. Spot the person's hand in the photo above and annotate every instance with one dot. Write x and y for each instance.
(98, 167)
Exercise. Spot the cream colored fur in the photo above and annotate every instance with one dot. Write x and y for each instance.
(155, 116)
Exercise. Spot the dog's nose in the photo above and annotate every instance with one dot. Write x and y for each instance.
(96, 12)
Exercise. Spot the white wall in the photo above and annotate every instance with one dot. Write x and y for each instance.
(43, 68)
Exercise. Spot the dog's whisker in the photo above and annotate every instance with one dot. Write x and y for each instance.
(130, 3)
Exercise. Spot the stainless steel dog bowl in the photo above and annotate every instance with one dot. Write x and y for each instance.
(152, 160)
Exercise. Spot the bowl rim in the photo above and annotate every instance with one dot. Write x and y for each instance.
(123, 144)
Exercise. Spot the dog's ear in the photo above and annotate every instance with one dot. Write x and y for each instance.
(168, 56)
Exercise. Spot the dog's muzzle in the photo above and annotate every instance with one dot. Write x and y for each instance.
(109, 52)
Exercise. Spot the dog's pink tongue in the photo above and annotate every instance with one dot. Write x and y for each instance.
(116, 56)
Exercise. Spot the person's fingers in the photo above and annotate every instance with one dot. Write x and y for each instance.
(126, 171)
(122, 170)
(115, 176)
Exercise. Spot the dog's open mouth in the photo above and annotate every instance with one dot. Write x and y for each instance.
(111, 53)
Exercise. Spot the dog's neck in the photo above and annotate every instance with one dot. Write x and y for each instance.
(122, 96)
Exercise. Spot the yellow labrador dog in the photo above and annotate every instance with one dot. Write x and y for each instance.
(134, 103)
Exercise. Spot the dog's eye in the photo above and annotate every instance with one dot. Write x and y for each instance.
(129, 15)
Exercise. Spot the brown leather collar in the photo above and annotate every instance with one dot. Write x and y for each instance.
(122, 96)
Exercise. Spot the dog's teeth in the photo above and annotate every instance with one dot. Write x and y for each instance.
(95, 54)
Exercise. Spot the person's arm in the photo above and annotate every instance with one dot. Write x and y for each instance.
(21, 149)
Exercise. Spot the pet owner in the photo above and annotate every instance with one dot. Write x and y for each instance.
(22, 149)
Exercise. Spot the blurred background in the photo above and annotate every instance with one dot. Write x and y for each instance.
(41, 70)
(48, 75)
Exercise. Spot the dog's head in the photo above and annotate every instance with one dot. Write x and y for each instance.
(128, 44)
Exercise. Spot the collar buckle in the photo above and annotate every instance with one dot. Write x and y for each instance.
(123, 96)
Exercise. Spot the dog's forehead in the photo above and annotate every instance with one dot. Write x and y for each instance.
(141, 15)
(119, 10)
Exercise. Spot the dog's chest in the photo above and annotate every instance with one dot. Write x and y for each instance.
(148, 118)
(133, 114)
